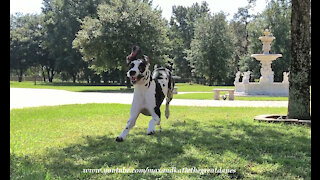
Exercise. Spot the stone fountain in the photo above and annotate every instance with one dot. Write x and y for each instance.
(265, 86)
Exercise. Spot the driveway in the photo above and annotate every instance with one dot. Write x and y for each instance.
(27, 97)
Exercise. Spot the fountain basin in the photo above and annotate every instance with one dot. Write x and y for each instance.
(262, 89)
(266, 57)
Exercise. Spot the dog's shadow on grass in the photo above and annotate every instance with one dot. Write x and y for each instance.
(168, 149)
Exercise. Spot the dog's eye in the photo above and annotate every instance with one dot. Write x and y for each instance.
(142, 67)
(131, 65)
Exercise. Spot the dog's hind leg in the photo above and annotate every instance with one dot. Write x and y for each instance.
(171, 84)
(168, 99)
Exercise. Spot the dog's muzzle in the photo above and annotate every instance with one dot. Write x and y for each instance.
(132, 76)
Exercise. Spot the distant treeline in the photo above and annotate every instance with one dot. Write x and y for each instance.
(89, 40)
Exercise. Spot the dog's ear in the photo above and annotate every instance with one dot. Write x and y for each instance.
(146, 59)
(135, 54)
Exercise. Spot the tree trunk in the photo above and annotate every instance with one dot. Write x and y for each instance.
(247, 37)
(128, 83)
(50, 74)
(20, 73)
(300, 67)
(44, 76)
(74, 78)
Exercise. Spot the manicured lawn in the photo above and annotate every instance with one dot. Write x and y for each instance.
(75, 87)
(59, 142)
(83, 87)
(186, 87)
(209, 96)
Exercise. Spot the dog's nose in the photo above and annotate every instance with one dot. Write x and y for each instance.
(132, 73)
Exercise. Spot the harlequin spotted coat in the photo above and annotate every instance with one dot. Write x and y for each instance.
(149, 91)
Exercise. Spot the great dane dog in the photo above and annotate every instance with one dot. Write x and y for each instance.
(149, 91)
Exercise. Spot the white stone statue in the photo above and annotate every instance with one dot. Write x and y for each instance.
(285, 77)
(246, 77)
(236, 80)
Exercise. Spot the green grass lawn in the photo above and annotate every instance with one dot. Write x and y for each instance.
(83, 87)
(75, 87)
(209, 96)
(186, 87)
(59, 142)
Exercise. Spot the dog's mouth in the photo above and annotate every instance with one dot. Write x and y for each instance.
(135, 79)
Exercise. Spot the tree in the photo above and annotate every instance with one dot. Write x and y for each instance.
(239, 26)
(300, 66)
(25, 35)
(182, 25)
(277, 17)
(107, 39)
(211, 48)
(62, 22)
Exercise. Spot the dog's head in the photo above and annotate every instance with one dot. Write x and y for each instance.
(138, 65)
(137, 70)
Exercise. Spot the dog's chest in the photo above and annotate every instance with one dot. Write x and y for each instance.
(145, 96)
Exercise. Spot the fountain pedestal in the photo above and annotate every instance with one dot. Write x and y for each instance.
(266, 86)
(266, 72)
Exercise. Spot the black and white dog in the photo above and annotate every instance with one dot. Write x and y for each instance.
(149, 91)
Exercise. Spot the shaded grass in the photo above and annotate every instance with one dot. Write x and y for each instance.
(59, 142)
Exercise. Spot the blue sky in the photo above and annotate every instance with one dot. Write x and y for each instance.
(228, 6)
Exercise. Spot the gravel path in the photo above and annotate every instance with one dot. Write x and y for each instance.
(27, 97)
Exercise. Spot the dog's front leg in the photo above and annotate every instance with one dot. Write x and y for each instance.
(152, 123)
(134, 113)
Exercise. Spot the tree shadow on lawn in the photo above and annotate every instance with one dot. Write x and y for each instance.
(257, 144)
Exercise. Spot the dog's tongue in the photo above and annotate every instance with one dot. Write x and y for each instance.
(133, 78)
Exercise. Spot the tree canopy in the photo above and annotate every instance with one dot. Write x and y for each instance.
(106, 40)
(89, 40)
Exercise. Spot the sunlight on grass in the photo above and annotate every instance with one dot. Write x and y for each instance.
(60, 141)
(76, 87)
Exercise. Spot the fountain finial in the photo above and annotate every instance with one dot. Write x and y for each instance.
(266, 32)
(266, 41)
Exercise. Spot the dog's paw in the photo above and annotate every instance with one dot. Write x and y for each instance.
(167, 114)
(151, 132)
(119, 139)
